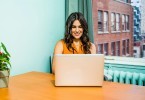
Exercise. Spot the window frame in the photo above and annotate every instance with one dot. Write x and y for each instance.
(105, 21)
(100, 48)
(113, 22)
(117, 22)
(100, 21)
(106, 47)
(123, 23)
(127, 22)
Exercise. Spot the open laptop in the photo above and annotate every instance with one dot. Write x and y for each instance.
(79, 69)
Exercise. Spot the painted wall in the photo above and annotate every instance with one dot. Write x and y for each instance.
(30, 30)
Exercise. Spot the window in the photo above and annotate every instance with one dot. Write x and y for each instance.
(123, 47)
(106, 49)
(127, 22)
(118, 48)
(143, 46)
(113, 21)
(100, 48)
(127, 47)
(105, 21)
(117, 22)
(113, 48)
(123, 22)
(127, 1)
(100, 21)
(134, 51)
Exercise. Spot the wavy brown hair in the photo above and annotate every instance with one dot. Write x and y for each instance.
(68, 39)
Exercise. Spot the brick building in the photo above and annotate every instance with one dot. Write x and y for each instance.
(113, 27)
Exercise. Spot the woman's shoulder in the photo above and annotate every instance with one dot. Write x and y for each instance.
(60, 42)
(92, 44)
(59, 47)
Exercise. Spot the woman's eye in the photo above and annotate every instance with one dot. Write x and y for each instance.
(73, 27)
(80, 26)
(76, 26)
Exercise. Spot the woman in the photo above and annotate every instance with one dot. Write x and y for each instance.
(76, 40)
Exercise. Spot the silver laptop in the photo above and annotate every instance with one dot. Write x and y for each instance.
(79, 69)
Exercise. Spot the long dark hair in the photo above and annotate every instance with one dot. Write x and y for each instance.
(68, 39)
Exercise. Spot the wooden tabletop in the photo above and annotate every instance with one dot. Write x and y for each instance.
(40, 86)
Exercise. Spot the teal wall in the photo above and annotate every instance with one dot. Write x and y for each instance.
(71, 6)
(30, 30)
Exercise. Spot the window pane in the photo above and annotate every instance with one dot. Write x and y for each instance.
(117, 22)
(127, 22)
(113, 48)
(106, 49)
(123, 46)
(123, 22)
(127, 46)
(118, 48)
(105, 21)
(112, 21)
(100, 22)
(100, 48)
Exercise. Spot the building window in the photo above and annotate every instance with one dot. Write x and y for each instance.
(100, 21)
(134, 51)
(105, 21)
(113, 21)
(123, 47)
(126, 1)
(100, 48)
(113, 48)
(118, 48)
(127, 22)
(117, 22)
(105, 48)
(123, 22)
(143, 47)
(127, 47)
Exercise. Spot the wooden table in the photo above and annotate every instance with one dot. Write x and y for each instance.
(40, 86)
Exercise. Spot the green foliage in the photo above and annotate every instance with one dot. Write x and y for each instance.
(4, 58)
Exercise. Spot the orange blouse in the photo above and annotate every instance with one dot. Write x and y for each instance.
(66, 51)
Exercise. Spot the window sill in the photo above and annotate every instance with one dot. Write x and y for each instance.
(106, 32)
(126, 31)
(115, 31)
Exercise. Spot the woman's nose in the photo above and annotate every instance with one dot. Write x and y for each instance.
(77, 29)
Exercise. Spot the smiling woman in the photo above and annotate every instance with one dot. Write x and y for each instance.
(76, 39)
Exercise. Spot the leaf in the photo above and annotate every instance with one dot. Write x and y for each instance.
(4, 58)
(4, 48)
(6, 61)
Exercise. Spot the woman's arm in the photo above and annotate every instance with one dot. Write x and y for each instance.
(57, 50)
(93, 49)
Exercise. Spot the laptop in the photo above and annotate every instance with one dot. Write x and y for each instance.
(79, 69)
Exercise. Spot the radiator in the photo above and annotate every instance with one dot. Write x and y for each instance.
(126, 77)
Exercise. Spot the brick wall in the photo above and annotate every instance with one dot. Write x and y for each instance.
(116, 7)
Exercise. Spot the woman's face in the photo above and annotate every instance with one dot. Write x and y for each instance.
(77, 29)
